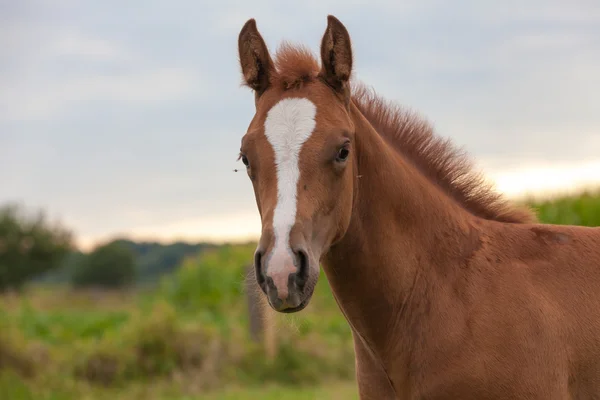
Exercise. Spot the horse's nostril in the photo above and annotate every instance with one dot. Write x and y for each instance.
(302, 274)
(258, 270)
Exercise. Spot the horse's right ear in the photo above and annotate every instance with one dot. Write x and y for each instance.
(255, 60)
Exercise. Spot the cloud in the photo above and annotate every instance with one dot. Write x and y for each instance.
(56, 69)
(134, 88)
(78, 45)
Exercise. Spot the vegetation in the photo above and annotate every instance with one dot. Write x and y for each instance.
(111, 265)
(153, 260)
(187, 337)
(583, 209)
(191, 331)
(29, 246)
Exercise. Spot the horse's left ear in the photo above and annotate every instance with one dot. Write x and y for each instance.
(336, 55)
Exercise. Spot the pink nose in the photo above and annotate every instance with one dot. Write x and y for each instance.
(279, 278)
(282, 278)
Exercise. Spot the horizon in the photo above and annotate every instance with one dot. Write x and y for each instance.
(515, 193)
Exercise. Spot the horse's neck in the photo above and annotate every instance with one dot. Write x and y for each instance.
(403, 230)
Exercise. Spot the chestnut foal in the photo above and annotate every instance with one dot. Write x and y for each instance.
(450, 291)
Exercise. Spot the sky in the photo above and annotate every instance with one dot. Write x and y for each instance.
(125, 118)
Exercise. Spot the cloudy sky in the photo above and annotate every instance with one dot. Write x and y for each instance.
(126, 117)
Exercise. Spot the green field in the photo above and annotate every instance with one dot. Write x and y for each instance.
(188, 337)
(13, 387)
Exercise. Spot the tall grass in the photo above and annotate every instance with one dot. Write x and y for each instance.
(193, 329)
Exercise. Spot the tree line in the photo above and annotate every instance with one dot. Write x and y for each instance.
(33, 248)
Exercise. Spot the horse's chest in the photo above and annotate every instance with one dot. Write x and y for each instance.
(489, 375)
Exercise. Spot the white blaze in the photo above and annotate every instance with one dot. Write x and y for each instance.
(288, 126)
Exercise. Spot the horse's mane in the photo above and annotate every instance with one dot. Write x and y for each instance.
(435, 157)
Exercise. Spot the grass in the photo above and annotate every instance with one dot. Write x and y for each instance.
(15, 388)
(583, 209)
(330, 391)
(187, 338)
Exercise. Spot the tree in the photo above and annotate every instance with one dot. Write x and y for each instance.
(29, 246)
(111, 265)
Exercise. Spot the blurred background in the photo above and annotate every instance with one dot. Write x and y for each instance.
(125, 234)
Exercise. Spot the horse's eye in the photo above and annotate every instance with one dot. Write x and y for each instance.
(245, 161)
(342, 154)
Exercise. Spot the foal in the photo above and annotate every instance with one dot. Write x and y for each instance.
(450, 291)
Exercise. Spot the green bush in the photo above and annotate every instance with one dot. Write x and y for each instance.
(111, 265)
(29, 246)
(583, 209)
(157, 345)
(212, 283)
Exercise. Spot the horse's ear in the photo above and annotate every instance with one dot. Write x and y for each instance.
(255, 60)
(336, 55)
